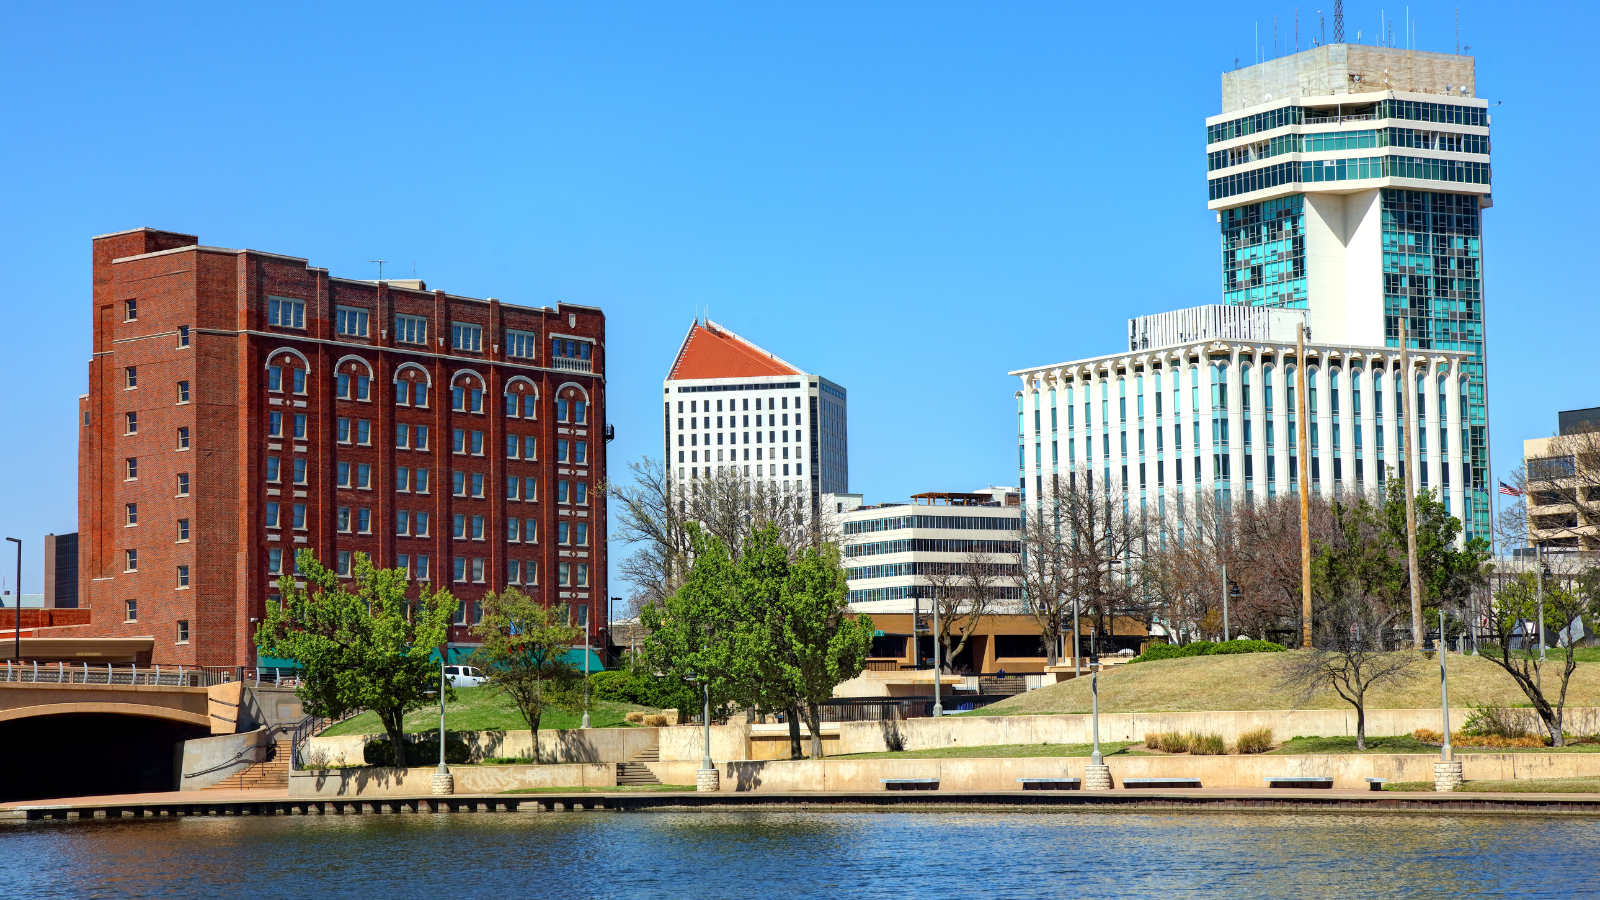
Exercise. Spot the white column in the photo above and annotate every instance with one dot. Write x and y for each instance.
(1344, 419)
(1092, 427)
(1207, 447)
(1235, 448)
(1282, 438)
(1369, 450)
(1152, 424)
(1436, 451)
(1455, 458)
(1324, 453)
(1392, 421)
(1258, 430)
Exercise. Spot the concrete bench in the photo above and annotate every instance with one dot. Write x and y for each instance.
(910, 784)
(1049, 784)
(1160, 782)
(1305, 781)
(1375, 784)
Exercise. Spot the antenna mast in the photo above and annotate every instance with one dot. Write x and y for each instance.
(380, 263)
(1338, 21)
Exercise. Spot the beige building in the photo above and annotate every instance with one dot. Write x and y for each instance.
(1563, 486)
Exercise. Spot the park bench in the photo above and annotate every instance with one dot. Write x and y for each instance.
(910, 784)
(1049, 784)
(1299, 781)
(1375, 784)
(1160, 782)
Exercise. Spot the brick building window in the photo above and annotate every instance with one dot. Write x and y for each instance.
(477, 485)
(299, 471)
(342, 430)
(512, 484)
(342, 566)
(183, 336)
(273, 468)
(466, 399)
(458, 441)
(130, 560)
(130, 515)
(364, 476)
(300, 517)
(460, 573)
(419, 481)
(274, 424)
(513, 571)
(299, 380)
(275, 379)
(272, 515)
(411, 393)
(563, 532)
(530, 488)
(275, 561)
(564, 574)
(130, 378)
(403, 563)
(411, 329)
(183, 484)
(466, 337)
(364, 520)
(183, 631)
(402, 437)
(421, 521)
(530, 531)
(299, 426)
(477, 443)
(183, 392)
(477, 528)
(477, 569)
(183, 577)
(579, 616)
(530, 447)
(402, 522)
(521, 344)
(183, 531)
(422, 567)
(402, 479)
(580, 533)
(130, 310)
(364, 432)
(530, 572)
(183, 438)
(580, 575)
(512, 529)
(563, 489)
(513, 446)
(460, 531)
(351, 321)
(130, 610)
(458, 483)
(342, 519)
(285, 312)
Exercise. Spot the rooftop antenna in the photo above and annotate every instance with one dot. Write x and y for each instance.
(1297, 29)
(1338, 21)
(1274, 37)
(380, 263)
(1322, 27)
(1458, 31)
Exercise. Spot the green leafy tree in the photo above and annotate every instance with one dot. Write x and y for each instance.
(691, 630)
(1448, 573)
(524, 653)
(819, 644)
(360, 643)
(1515, 612)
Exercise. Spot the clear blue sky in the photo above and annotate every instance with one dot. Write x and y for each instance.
(909, 198)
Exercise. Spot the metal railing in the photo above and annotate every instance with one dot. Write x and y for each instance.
(875, 709)
(1334, 120)
(305, 730)
(59, 672)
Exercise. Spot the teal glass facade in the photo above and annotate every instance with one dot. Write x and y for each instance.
(1264, 253)
(1433, 289)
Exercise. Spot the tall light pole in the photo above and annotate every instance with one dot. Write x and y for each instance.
(938, 666)
(705, 758)
(1077, 623)
(1302, 449)
(585, 677)
(1538, 566)
(1095, 759)
(1444, 691)
(1408, 433)
(1225, 630)
(16, 652)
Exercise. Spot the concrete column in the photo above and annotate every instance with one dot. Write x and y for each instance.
(1282, 435)
(1455, 454)
(1324, 450)
(1369, 449)
(1258, 429)
(1205, 416)
(1430, 401)
(1235, 448)
(1391, 421)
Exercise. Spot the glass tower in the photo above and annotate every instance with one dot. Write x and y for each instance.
(1350, 181)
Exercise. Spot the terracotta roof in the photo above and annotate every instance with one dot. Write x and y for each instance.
(710, 351)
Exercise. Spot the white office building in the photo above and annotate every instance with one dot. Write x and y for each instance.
(727, 403)
(1203, 400)
(891, 548)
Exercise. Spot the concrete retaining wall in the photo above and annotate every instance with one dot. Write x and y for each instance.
(380, 782)
(573, 745)
(1349, 771)
(979, 731)
(207, 753)
(685, 743)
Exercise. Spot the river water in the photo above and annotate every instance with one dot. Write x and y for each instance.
(750, 855)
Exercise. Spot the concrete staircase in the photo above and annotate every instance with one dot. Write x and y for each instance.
(270, 774)
(635, 772)
(1008, 686)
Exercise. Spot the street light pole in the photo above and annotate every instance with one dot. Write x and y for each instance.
(1538, 571)
(938, 665)
(1077, 618)
(443, 770)
(705, 758)
(585, 678)
(16, 652)
(1444, 691)
(1225, 629)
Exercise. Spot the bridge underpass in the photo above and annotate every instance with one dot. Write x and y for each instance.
(67, 740)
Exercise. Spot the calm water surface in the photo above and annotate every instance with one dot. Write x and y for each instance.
(748, 855)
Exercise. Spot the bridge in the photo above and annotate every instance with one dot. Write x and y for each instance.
(83, 728)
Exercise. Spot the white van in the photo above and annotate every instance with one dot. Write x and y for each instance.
(464, 676)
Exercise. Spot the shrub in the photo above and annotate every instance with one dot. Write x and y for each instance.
(1174, 742)
(1497, 721)
(1152, 741)
(1207, 745)
(1256, 741)
(1205, 648)
(636, 717)
(1489, 742)
(418, 753)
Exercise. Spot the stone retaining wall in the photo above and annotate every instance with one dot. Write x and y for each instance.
(383, 782)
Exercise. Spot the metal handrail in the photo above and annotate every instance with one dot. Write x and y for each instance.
(306, 729)
(60, 672)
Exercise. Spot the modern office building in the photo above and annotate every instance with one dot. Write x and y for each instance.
(1563, 484)
(1350, 181)
(1205, 402)
(728, 403)
(244, 405)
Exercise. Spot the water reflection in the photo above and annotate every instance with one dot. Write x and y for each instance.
(747, 855)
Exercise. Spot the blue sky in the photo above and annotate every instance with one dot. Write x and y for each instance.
(909, 198)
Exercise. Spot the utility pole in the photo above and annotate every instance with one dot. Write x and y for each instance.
(1305, 486)
(1407, 388)
(1338, 21)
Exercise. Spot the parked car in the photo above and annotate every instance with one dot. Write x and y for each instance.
(464, 676)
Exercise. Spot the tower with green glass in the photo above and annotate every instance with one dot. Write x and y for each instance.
(1350, 181)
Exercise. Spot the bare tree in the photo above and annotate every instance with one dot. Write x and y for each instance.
(1084, 544)
(1349, 657)
(654, 509)
(1562, 491)
(1515, 613)
(964, 592)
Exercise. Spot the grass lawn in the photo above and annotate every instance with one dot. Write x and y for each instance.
(619, 789)
(996, 750)
(1252, 681)
(486, 709)
(1517, 786)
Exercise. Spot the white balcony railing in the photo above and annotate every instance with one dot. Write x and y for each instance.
(572, 365)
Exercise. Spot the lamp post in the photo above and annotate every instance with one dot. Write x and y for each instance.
(1446, 772)
(705, 779)
(1077, 619)
(585, 678)
(16, 652)
(1096, 775)
(443, 781)
(938, 665)
(1540, 570)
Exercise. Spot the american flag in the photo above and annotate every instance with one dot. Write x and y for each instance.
(1509, 491)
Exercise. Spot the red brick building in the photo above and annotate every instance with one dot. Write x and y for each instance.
(245, 405)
